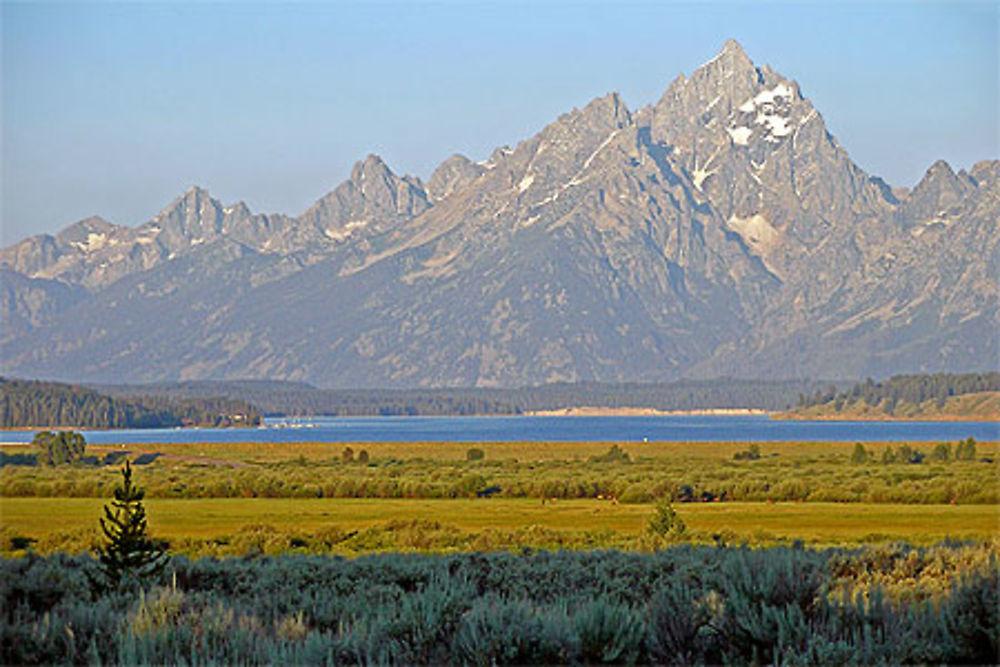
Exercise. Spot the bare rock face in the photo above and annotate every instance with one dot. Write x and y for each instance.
(938, 191)
(27, 304)
(452, 175)
(720, 231)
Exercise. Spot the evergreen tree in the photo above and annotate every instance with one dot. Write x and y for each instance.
(665, 521)
(966, 450)
(58, 448)
(129, 555)
(942, 452)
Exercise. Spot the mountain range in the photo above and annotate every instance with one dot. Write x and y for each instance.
(721, 231)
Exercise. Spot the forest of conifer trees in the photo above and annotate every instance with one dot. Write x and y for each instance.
(31, 404)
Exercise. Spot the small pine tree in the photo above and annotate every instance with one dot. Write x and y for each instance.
(665, 522)
(860, 454)
(129, 555)
(966, 450)
(942, 452)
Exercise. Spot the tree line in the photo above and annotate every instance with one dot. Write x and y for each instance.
(30, 403)
(299, 399)
(913, 389)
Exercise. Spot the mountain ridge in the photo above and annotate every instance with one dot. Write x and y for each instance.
(721, 230)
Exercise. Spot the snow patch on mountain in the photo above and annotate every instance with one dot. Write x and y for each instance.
(94, 242)
(349, 228)
(770, 96)
(698, 176)
(526, 182)
(758, 234)
(772, 109)
(740, 135)
(774, 125)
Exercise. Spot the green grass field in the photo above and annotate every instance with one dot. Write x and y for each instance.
(245, 452)
(204, 492)
(819, 523)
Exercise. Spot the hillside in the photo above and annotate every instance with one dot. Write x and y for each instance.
(30, 404)
(982, 406)
(946, 397)
(721, 231)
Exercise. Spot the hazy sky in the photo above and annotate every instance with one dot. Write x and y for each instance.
(114, 109)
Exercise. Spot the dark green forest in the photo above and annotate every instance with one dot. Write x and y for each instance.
(299, 399)
(29, 403)
(913, 389)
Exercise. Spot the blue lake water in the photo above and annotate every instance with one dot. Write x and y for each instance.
(565, 429)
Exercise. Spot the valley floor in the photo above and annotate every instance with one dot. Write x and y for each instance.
(229, 499)
(204, 526)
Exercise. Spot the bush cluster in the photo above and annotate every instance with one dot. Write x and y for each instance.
(615, 474)
(683, 605)
(57, 448)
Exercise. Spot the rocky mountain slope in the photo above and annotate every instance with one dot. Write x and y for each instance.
(720, 231)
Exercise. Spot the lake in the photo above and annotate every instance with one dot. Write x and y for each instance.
(563, 429)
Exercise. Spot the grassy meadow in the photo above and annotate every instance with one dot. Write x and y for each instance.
(219, 499)
(533, 553)
(194, 523)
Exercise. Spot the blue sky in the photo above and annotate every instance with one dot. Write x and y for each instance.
(114, 109)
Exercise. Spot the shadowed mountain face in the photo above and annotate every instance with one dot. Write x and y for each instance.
(720, 231)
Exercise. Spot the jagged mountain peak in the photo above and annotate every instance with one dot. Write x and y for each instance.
(941, 180)
(727, 77)
(609, 104)
(196, 191)
(732, 47)
(192, 219)
(451, 175)
(238, 209)
(372, 166)
(940, 169)
(939, 190)
(372, 200)
(191, 200)
(721, 229)
(608, 110)
(732, 58)
(88, 234)
(92, 224)
(452, 161)
(759, 150)
(373, 172)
